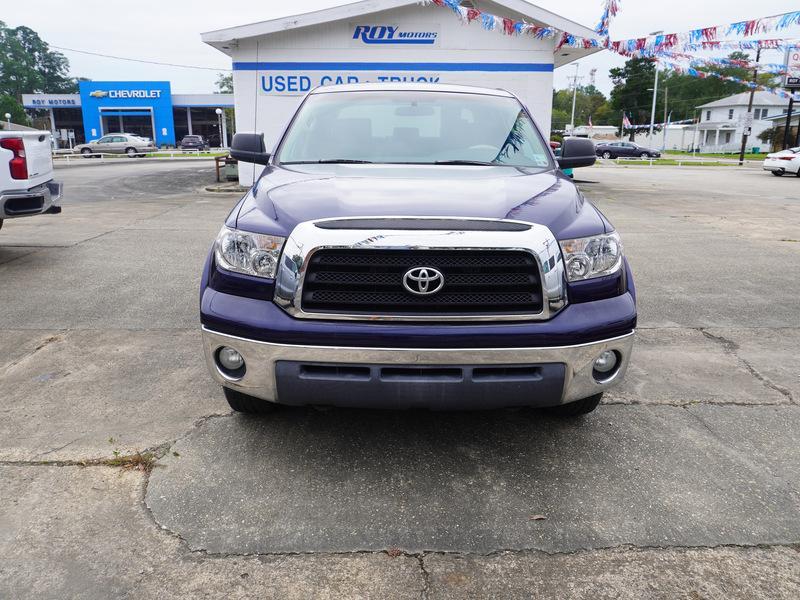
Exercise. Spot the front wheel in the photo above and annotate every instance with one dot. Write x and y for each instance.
(577, 408)
(247, 404)
(644, 155)
(86, 152)
(606, 155)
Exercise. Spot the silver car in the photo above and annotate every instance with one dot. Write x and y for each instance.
(116, 143)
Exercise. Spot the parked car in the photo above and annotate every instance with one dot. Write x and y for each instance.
(617, 149)
(116, 143)
(193, 142)
(415, 245)
(785, 161)
(27, 186)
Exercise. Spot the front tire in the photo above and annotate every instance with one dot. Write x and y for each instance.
(644, 155)
(247, 404)
(86, 152)
(607, 155)
(577, 408)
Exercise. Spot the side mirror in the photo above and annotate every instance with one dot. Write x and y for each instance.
(249, 148)
(577, 152)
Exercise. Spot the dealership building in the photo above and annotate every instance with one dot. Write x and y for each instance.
(276, 62)
(144, 108)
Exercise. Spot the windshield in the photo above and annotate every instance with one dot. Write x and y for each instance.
(413, 128)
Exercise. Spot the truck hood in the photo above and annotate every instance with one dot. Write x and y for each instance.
(284, 197)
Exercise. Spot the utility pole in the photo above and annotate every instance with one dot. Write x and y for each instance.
(746, 131)
(666, 119)
(575, 79)
(655, 95)
(787, 128)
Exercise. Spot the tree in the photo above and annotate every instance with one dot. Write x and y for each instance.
(589, 102)
(28, 66)
(9, 104)
(633, 88)
(630, 92)
(224, 83)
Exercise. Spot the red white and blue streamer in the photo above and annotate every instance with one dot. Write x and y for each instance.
(708, 37)
(691, 71)
(610, 10)
(508, 26)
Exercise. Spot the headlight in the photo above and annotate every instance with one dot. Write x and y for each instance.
(249, 253)
(593, 256)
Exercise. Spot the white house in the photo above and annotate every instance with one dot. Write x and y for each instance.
(722, 122)
(276, 62)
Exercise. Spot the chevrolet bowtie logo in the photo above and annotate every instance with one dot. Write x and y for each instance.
(98, 94)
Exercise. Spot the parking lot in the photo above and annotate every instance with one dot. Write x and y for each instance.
(684, 484)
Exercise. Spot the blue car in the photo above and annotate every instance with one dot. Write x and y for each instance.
(416, 245)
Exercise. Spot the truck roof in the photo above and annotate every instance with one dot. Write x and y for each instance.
(410, 87)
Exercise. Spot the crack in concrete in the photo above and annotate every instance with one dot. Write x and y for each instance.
(42, 344)
(690, 403)
(426, 577)
(732, 348)
(120, 461)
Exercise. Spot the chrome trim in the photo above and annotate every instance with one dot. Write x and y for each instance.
(307, 239)
(260, 358)
(51, 192)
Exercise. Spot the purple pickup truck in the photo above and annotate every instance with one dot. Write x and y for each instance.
(411, 245)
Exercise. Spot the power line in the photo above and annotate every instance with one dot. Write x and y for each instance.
(137, 60)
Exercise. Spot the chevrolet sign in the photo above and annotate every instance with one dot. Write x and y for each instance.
(146, 94)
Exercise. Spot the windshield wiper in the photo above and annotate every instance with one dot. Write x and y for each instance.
(467, 162)
(324, 161)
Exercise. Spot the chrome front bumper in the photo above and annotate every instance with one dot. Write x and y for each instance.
(260, 358)
(50, 193)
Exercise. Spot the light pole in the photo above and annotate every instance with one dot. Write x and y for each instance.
(8, 120)
(219, 127)
(655, 95)
(574, 97)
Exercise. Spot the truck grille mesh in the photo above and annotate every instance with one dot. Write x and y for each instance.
(370, 282)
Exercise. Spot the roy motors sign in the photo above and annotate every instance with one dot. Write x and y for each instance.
(793, 69)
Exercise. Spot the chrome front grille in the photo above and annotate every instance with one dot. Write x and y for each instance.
(371, 281)
(358, 268)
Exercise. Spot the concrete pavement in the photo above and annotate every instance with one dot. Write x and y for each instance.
(684, 484)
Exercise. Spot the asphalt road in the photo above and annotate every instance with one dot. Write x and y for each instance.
(684, 484)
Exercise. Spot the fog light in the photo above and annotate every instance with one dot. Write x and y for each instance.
(230, 358)
(606, 362)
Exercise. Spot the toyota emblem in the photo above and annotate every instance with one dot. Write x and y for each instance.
(423, 281)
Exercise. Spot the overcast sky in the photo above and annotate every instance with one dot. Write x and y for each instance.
(169, 30)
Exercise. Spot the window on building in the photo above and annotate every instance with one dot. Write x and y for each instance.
(730, 114)
(727, 137)
(708, 115)
(763, 113)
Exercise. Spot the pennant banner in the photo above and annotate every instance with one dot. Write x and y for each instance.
(610, 9)
(653, 44)
(695, 61)
(696, 40)
(508, 26)
(676, 68)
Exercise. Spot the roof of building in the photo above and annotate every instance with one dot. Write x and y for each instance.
(222, 39)
(759, 99)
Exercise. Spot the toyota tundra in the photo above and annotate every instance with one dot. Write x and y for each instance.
(416, 245)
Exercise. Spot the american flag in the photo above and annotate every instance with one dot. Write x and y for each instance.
(590, 121)
(626, 122)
